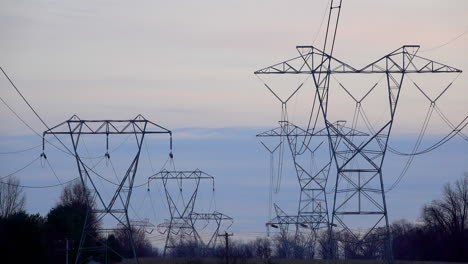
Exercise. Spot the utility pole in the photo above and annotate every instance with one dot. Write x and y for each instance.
(226, 236)
(68, 244)
(67, 249)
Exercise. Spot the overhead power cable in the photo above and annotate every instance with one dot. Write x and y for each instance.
(321, 23)
(20, 151)
(457, 130)
(415, 148)
(40, 187)
(21, 169)
(33, 110)
(447, 42)
(19, 117)
(24, 99)
(30, 127)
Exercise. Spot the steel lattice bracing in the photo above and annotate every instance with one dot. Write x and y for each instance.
(215, 216)
(143, 224)
(312, 212)
(115, 207)
(313, 209)
(359, 160)
(181, 227)
(402, 59)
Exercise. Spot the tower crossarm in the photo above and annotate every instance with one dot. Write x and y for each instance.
(310, 61)
(210, 216)
(401, 60)
(142, 223)
(406, 60)
(138, 125)
(181, 175)
(288, 129)
(177, 223)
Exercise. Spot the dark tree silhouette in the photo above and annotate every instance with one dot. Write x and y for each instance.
(12, 199)
(143, 246)
(21, 239)
(65, 222)
(447, 220)
(262, 248)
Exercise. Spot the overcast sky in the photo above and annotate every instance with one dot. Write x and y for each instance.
(188, 65)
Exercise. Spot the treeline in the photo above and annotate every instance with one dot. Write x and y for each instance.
(32, 238)
(441, 234)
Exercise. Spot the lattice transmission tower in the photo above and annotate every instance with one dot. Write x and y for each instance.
(312, 212)
(359, 193)
(182, 225)
(359, 160)
(115, 207)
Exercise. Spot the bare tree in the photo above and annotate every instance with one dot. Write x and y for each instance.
(327, 247)
(142, 245)
(12, 198)
(447, 219)
(262, 247)
(295, 246)
(75, 195)
(451, 212)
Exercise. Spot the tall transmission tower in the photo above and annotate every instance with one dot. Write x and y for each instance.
(116, 207)
(182, 225)
(359, 193)
(312, 211)
(313, 206)
(359, 160)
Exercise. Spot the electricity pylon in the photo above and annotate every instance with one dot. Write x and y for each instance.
(115, 207)
(359, 160)
(313, 207)
(312, 210)
(182, 223)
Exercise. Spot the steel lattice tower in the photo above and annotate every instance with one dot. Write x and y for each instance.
(366, 196)
(182, 223)
(117, 206)
(312, 210)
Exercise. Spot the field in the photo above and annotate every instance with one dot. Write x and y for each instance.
(272, 261)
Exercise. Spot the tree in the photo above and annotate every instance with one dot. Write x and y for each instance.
(283, 245)
(327, 248)
(298, 246)
(65, 222)
(75, 195)
(262, 248)
(113, 246)
(372, 247)
(142, 245)
(22, 233)
(405, 240)
(447, 219)
(12, 199)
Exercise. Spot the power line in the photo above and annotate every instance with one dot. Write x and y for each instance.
(33, 110)
(29, 126)
(21, 169)
(19, 117)
(20, 151)
(53, 171)
(40, 187)
(446, 43)
(24, 99)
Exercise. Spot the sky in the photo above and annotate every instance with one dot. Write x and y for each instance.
(189, 66)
